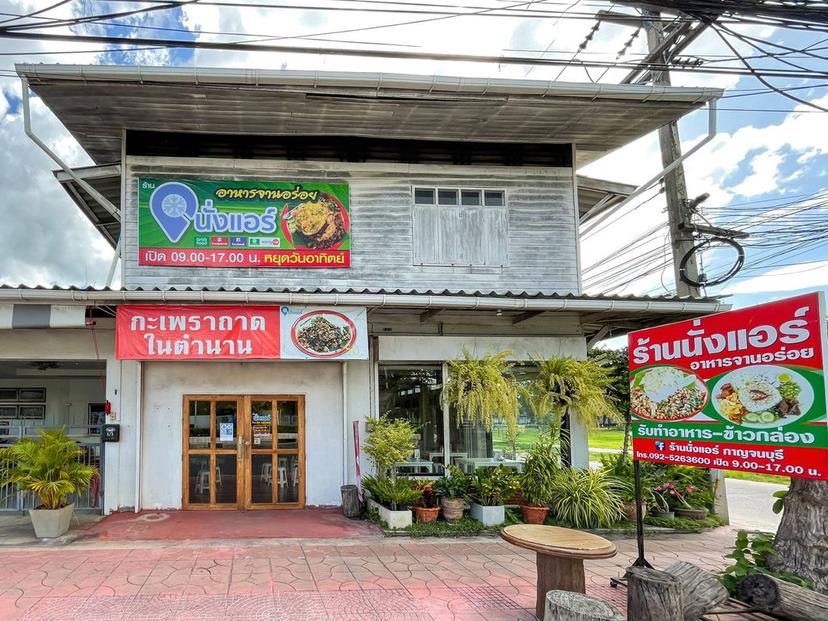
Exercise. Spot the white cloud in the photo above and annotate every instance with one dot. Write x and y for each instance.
(813, 275)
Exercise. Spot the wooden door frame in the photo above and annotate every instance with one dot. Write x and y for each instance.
(243, 451)
(247, 502)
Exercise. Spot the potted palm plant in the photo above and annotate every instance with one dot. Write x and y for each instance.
(50, 467)
(490, 487)
(537, 480)
(453, 490)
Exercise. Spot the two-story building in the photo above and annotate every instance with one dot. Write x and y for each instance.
(302, 250)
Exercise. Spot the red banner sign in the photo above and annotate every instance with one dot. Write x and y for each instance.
(197, 332)
(741, 390)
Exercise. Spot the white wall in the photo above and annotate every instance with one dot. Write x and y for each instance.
(165, 384)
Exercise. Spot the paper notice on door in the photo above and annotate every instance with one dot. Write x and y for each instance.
(225, 432)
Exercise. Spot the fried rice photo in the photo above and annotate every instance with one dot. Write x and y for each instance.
(759, 398)
(322, 336)
(666, 393)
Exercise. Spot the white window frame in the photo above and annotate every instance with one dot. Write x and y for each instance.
(482, 205)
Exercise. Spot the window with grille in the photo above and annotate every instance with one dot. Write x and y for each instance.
(22, 403)
(460, 226)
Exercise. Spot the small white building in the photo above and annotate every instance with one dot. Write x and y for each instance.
(300, 251)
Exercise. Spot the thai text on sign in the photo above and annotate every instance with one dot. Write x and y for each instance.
(740, 390)
(199, 332)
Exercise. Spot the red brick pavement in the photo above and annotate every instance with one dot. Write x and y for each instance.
(365, 578)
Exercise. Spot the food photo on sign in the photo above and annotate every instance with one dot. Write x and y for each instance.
(324, 333)
(740, 390)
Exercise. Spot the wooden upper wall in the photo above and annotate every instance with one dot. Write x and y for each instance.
(540, 219)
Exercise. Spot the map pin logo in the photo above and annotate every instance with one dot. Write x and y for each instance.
(173, 205)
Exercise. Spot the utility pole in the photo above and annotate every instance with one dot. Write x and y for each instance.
(675, 188)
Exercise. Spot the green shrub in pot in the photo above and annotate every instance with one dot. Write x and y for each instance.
(490, 488)
(51, 467)
(537, 479)
(453, 490)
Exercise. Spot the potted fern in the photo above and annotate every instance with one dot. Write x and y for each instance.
(482, 389)
(538, 479)
(566, 385)
(50, 467)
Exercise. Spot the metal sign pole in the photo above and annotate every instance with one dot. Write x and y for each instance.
(639, 517)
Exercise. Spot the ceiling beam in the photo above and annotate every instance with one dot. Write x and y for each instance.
(598, 336)
(526, 316)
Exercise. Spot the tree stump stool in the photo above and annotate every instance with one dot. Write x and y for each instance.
(569, 606)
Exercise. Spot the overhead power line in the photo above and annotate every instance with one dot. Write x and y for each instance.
(502, 60)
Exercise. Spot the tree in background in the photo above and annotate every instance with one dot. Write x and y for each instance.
(617, 364)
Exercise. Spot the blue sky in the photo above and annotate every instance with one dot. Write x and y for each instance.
(757, 157)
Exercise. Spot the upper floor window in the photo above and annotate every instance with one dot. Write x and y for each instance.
(460, 226)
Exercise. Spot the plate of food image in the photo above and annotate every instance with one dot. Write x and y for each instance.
(318, 225)
(323, 334)
(763, 395)
(667, 393)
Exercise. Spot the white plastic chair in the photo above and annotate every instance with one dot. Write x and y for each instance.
(267, 473)
(203, 482)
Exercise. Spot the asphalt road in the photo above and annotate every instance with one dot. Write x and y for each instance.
(750, 505)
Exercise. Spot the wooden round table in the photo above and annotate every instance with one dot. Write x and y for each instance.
(560, 556)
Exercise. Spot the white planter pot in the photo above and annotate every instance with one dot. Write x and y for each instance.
(394, 519)
(51, 522)
(489, 516)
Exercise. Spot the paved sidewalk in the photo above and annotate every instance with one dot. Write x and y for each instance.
(365, 578)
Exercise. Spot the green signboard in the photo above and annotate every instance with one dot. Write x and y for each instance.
(214, 223)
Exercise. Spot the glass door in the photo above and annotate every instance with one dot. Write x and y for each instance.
(212, 452)
(276, 465)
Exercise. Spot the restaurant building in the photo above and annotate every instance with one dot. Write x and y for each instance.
(300, 251)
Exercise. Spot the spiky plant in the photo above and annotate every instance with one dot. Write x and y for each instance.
(49, 466)
(586, 498)
(481, 389)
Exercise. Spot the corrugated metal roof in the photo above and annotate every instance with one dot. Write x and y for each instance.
(519, 295)
(96, 103)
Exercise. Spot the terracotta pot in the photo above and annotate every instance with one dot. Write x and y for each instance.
(629, 510)
(427, 514)
(692, 514)
(533, 514)
(453, 508)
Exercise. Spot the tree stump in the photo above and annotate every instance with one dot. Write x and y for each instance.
(654, 595)
(569, 606)
(783, 599)
(702, 590)
(350, 501)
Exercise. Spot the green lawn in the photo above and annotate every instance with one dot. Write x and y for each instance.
(598, 438)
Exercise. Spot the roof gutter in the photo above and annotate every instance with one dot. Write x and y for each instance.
(376, 300)
(372, 81)
(27, 127)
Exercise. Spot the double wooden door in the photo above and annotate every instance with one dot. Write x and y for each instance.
(244, 452)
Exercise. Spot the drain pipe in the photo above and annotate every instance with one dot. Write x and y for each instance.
(99, 198)
(138, 425)
(712, 130)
